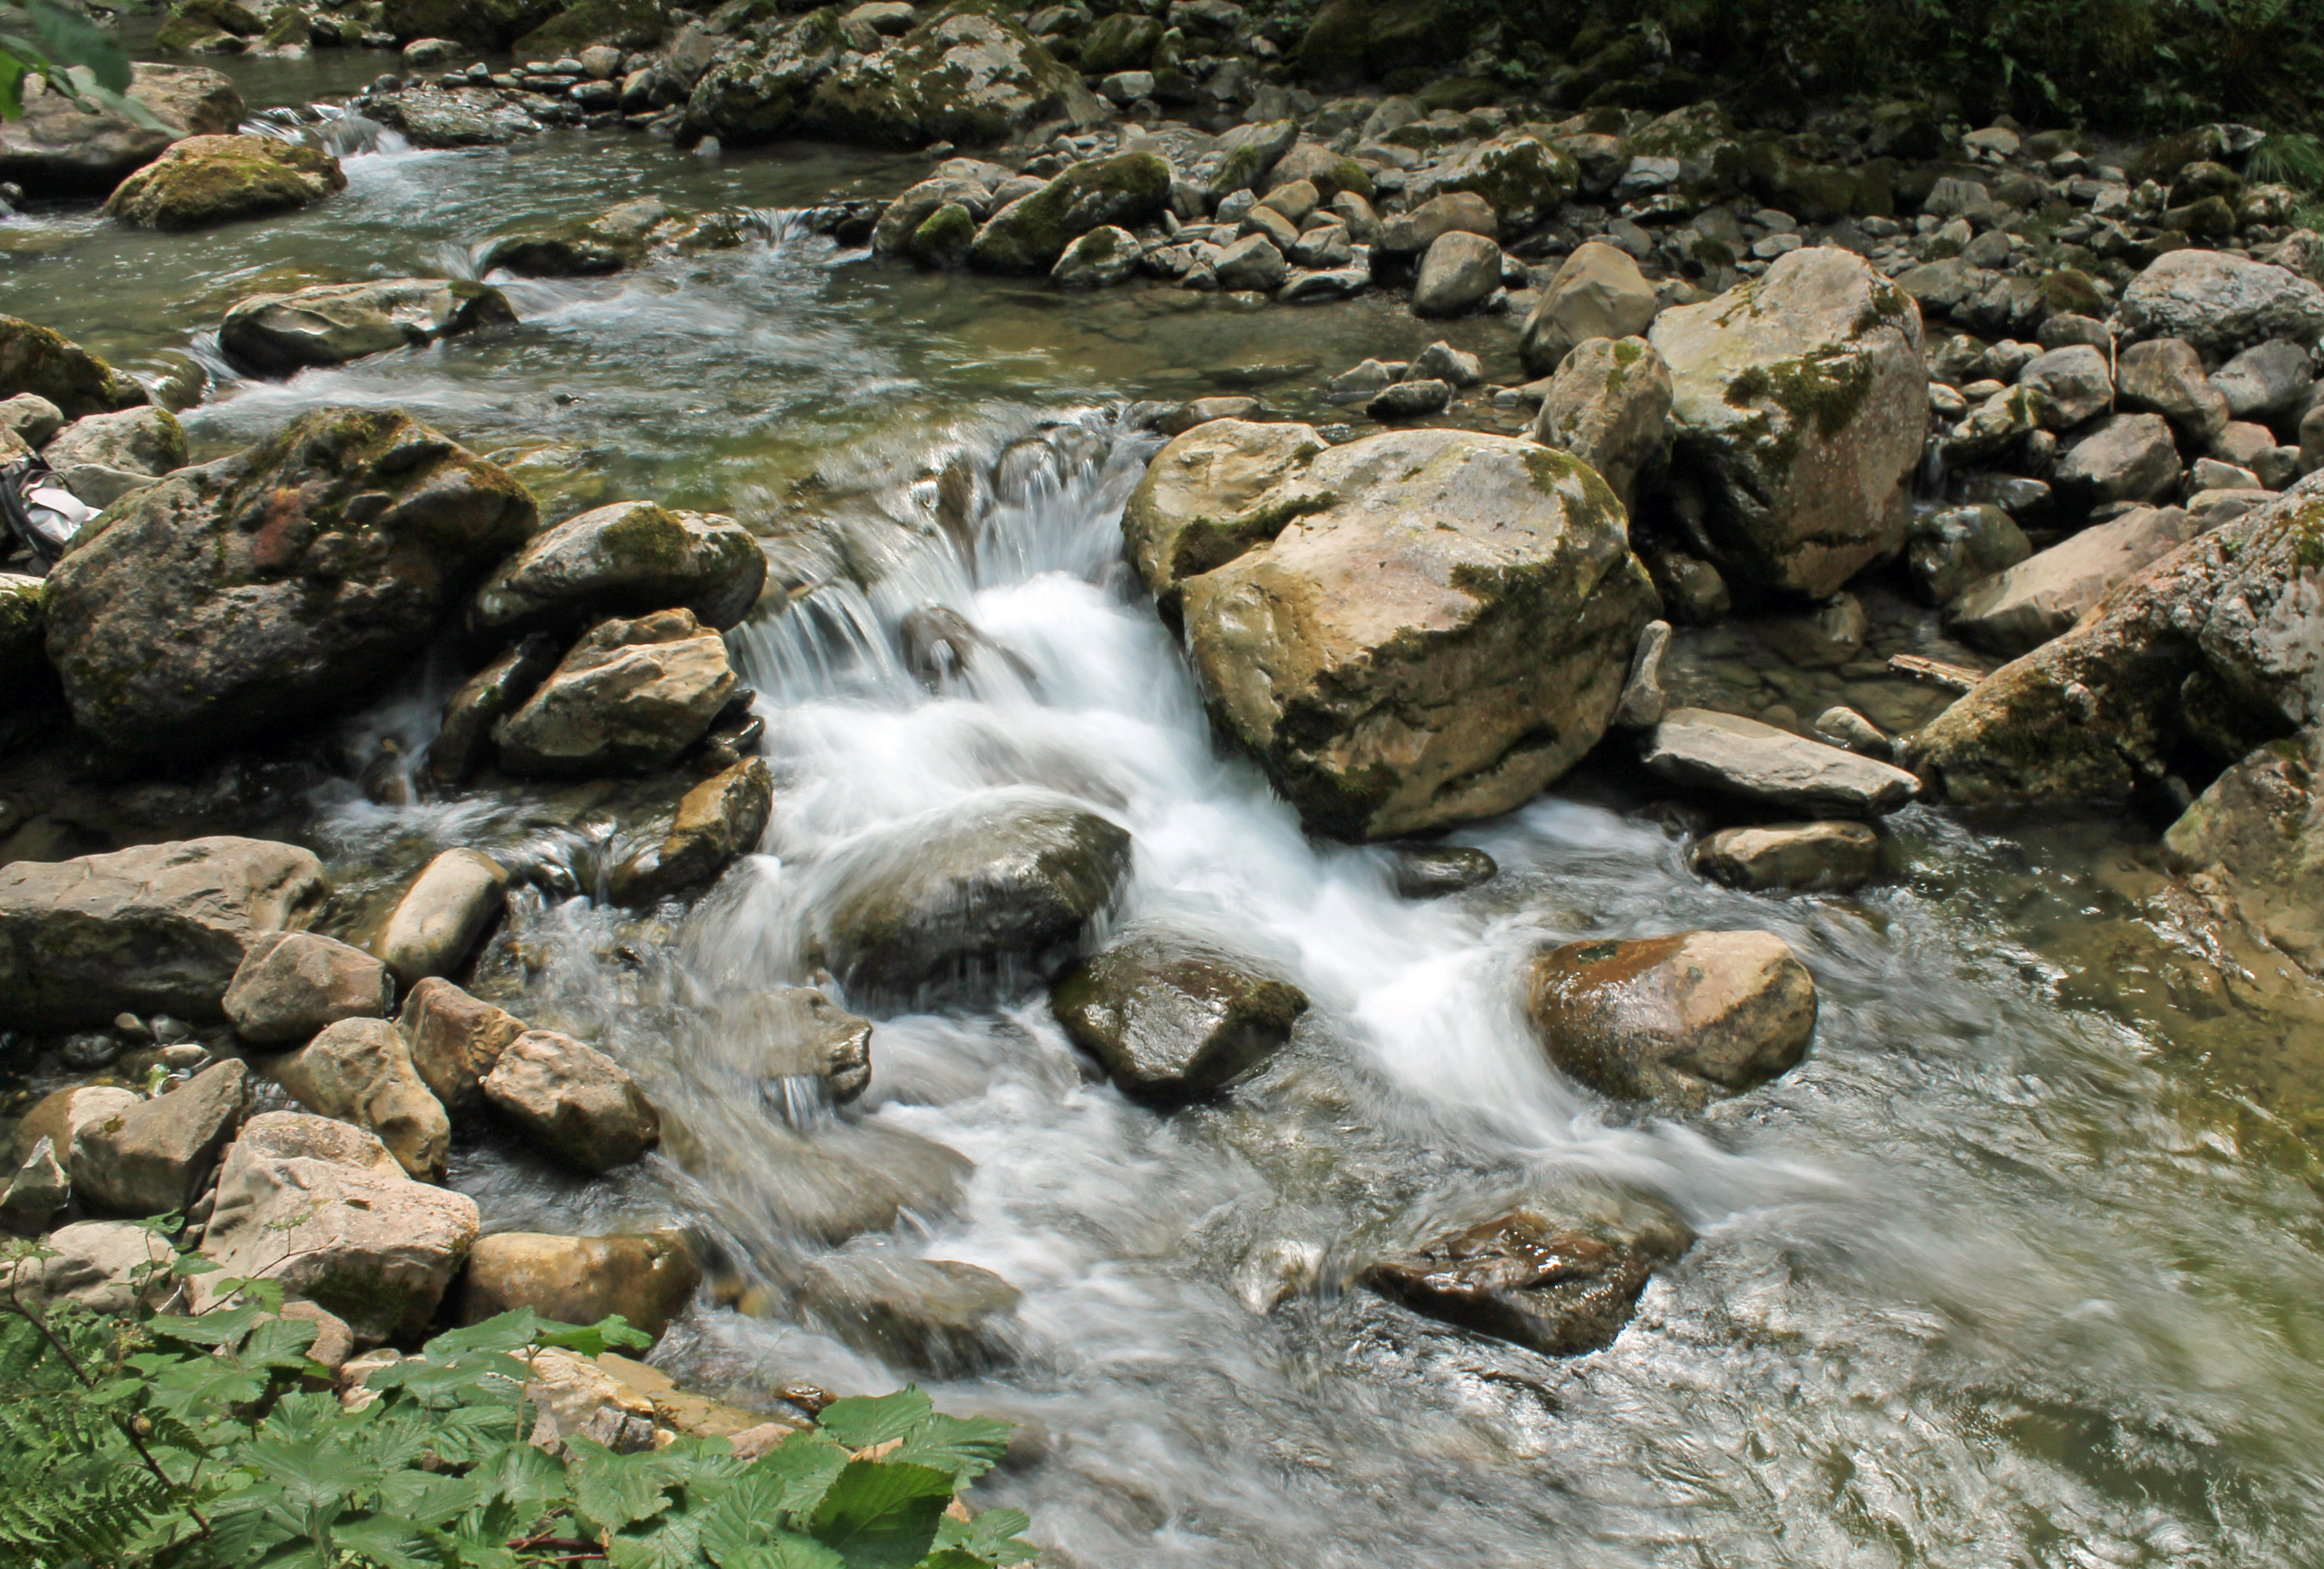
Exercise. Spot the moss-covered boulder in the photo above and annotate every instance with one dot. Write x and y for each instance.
(274, 335)
(623, 559)
(481, 24)
(1523, 177)
(1800, 403)
(584, 24)
(968, 75)
(755, 91)
(1444, 630)
(245, 596)
(1351, 41)
(2216, 649)
(55, 149)
(33, 359)
(214, 180)
(2258, 833)
(1124, 41)
(1032, 231)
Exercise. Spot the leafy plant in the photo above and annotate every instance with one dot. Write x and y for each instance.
(2293, 158)
(69, 52)
(211, 1441)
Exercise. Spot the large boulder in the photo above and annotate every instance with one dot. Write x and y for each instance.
(111, 1267)
(1800, 403)
(1214, 492)
(251, 594)
(214, 179)
(1014, 875)
(324, 1208)
(1032, 231)
(1610, 405)
(1458, 272)
(2219, 646)
(2165, 376)
(648, 1278)
(718, 822)
(35, 360)
(1171, 1019)
(153, 1157)
(146, 440)
(580, 24)
(2024, 606)
(573, 1100)
(56, 150)
(159, 928)
(1597, 291)
(1522, 177)
(1680, 1021)
(359, 1070)
(455, 1041)
(2257, 836)
(1795, 857)
(491, 24)
(442, 915)
(291, 984)
(630, 697)
(620, 236)
(754, 90)
(628, 559)
(2128, 457)
(1558, 1287)
(274, 335)
(1732, 755)
(967, 75)
(1443, 630)
(2220, 303)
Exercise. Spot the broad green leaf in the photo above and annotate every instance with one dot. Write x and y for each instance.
(186, 1264)
(221, 1327)
(521, 1476)
(612, 1490)
(780, 1550)
(204, 1384)
(606, 1334)
(507, 1332)
(310, 1476)
(72, 37)
(966, 1446)
(878, 1516)
(991, 1538)
(391, 1542)
(864, 1421)
(279, 1343)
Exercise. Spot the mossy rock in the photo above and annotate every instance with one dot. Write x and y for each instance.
(24, 627)
(214, 180)
(623, 23)
(1124, 41)
(1030, 234)
(942, 237)
(482, 23)
(189, 35)
(294, 26)
(1462, 93)
(34, 359)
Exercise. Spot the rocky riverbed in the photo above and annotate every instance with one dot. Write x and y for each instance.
(1356, 792)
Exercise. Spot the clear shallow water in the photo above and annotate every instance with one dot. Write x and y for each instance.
(2022, 1265)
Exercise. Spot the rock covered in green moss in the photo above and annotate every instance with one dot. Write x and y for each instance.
(1524, 178)
(55, 149)
(627, 558)
(37, 360)
(482, 23)
(274, 335)
(634, 24)
(1800, 402)
(1444, 630)
(755, 91)
(1031, 233)
(1122, 42)
(24, 632)
(245, 596)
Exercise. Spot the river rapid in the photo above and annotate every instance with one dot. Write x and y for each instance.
(2024, 1265)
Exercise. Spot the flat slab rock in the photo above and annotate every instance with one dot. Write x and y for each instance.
(1743, 757)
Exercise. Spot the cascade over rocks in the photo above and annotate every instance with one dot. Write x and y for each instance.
(942, 1318)
(230, 601)
(1443, 630)
(1801, 402)
(155, 928)
(56, 150)
(718, 822)
(793, 1032)
(1171, 1019)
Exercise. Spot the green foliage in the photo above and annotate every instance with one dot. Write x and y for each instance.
(2293, 158)
(210, 1441)
(72, 54)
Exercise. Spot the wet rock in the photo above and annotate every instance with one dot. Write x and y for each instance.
(244, 596)
(39, 363)
(96, 1265)
(1252, 262)
(963, 75)
(1801, 402)
(462, 117)
(1100, 259)
(1597, 291)
(464, 741)
(291, 984)
(1017, 874)
(718, 822)
(1522, 177)
(1409, 399)
(648, 1278)
(2130, 457)
(1435, 871)
(1173, 1021)
(275, 334)
(2073, 383)
(214, 180)
(153, 1157)
(442, 915)
(792, 1032)
(1459, 273)
(2219, 640)
(360, 1071)
(455, 1041)
(324, 1208)
(1445, 635)
(1692, 589)
(1846, 727)
(629, 559)
(630, 697)
(1203, 410)
(1250, 153)
(1610, 405)
(1800, 858)
(573, 1100)
(616, 239)
(902, 218)
(1680, 1021)
(1527, 1279)
(932, 1315)
(37, 1191)
(1951, 549)
(2165, 376)
(1030, 234)
(2265, 378)
(2220, 303)
(1214, 492)
(2020, 608)
(156, 929)
(1736, 756)
(56, 150)
(1831, 635)
(137, 441)
(2257, 833)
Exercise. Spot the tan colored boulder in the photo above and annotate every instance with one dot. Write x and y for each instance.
(292, 985)
(629, 695)
(1736, 756)
(57, 150)
(359, 1070)
(454, 1039)
(628, 559)
(2017, 610)
(1680, 1021)
(1792, 857)
(96, 1265)
(576, 1399)
(441, 917)
(1597, 291)
(573, 1100)
(1447, 637)
(60, 1115)
(1610, 405)
(2164, 375)
(646, 1278)
(1214, 492)
(153, 1157)
(718, 822)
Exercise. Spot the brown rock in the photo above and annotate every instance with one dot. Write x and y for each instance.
(573, 1100)
(455, 1041)
(648, 1278)
(292, 985)
(359, 1070)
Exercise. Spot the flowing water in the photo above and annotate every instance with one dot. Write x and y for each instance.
(2024, 1265)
